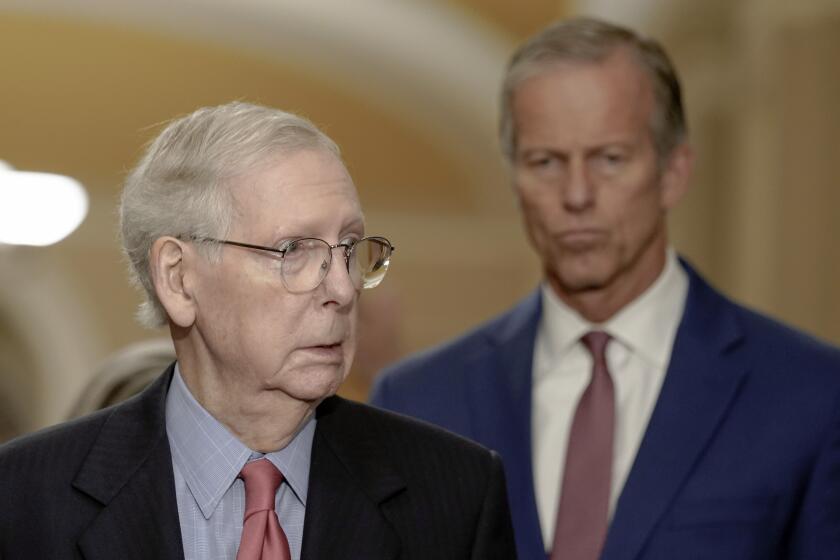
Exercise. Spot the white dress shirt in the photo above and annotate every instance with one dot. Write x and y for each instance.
(642, 334)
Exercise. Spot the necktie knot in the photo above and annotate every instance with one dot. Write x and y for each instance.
(596, 343)
(262, 536)
(261, 482)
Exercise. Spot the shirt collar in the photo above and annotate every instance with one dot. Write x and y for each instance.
(649, 323)
(210, 458)
(562, 325)
(646, 325)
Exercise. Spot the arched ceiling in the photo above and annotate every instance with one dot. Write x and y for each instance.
(423, 71)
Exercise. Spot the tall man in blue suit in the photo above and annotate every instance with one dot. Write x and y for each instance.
(640, 414)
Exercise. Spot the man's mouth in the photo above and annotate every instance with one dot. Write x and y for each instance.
(581, 239)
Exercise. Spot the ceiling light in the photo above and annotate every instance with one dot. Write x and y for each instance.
(39, 208)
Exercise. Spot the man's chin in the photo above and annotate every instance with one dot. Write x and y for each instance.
(579, 280)
(316, 385)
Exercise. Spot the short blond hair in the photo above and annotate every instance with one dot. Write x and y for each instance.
(591, 40)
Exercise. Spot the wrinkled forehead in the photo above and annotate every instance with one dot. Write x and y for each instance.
(311, 184)
(292, 172)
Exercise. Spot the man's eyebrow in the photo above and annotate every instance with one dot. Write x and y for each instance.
(355, 222)
(302, 229)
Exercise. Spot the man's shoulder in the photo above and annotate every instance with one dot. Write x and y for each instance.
(439, 487)
(379, 444)
(774, 340)
(392, 431)
(439, 364)
(41, 466)
(771, 344)
(59, 441)
(60, 448)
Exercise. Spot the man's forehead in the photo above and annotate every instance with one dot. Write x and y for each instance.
(604, 94)
(300, 191)
(620, 63)
(303, 173)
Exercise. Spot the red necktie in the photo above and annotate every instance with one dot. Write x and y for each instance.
(262, 536)
(585, 496)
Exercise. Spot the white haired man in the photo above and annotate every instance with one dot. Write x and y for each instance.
(245, 231)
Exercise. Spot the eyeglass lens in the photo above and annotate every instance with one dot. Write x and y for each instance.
(371, 257)
(307, 261)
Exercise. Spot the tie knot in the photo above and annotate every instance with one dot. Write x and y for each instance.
(596, 342)
(261, 482)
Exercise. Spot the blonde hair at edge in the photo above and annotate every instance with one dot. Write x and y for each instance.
(179, 188)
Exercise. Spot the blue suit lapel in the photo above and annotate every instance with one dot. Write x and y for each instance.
(499, 393)
(701, 383)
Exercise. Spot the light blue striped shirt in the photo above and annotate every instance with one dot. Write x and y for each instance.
(207, 459)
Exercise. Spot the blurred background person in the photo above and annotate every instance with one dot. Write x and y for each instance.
(123, 375)
(622, 393)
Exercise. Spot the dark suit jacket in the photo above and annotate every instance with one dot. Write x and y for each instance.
(380, 487)
(740, 460)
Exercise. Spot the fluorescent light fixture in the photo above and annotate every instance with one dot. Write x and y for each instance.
(39, 208)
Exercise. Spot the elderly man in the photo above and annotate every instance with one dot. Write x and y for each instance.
(639, 413)
(244, 228)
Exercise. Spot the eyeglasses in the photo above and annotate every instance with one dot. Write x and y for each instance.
(305, 262)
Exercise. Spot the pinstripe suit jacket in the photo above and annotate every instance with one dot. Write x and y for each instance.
(381, 487)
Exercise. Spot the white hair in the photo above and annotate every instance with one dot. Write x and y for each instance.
(180, 187)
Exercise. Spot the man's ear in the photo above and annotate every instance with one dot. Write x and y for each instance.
(676, 174)
(169, 271)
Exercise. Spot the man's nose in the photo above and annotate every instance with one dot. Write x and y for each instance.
(578, 191)
(338, 283)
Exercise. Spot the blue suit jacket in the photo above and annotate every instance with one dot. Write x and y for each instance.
(740, 460)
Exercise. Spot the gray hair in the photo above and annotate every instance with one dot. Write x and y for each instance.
(590, 40)
(180, 186)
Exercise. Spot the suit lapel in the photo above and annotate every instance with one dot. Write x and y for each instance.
(700, 385)
(129, 472)
(499, 396)
(350, 487)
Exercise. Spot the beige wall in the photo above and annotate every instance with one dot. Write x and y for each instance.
(408, 90)
(761, 80)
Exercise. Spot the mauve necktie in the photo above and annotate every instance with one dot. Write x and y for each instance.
(585, 496)
(262, 536)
